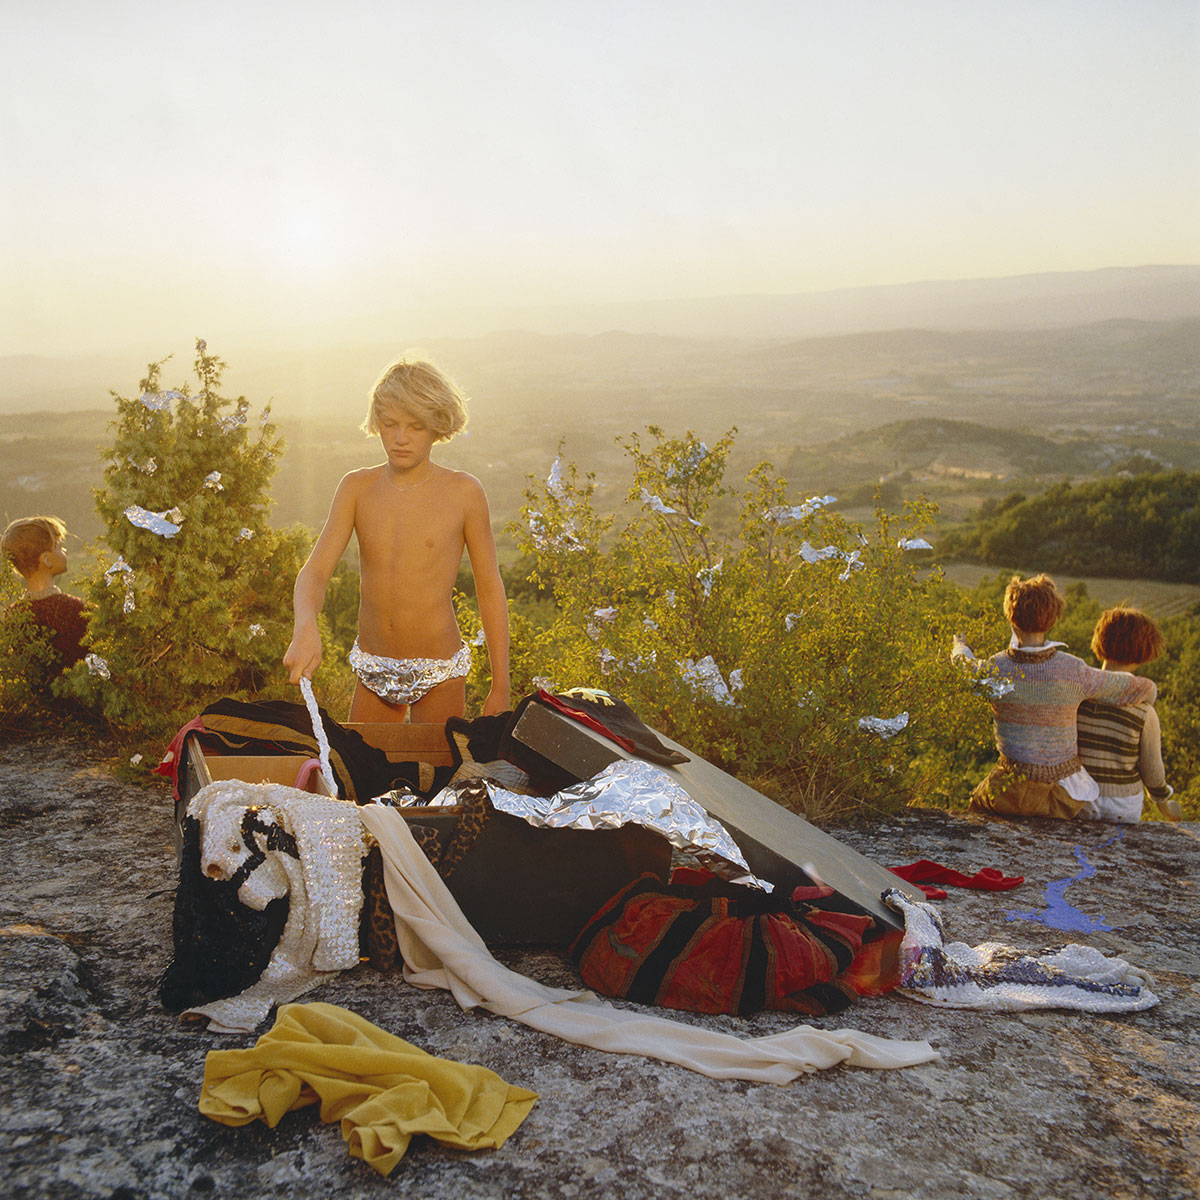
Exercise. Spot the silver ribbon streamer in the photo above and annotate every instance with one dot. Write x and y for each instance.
(310, 702)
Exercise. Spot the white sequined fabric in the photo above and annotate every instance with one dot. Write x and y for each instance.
(999, 978)
(251, 827)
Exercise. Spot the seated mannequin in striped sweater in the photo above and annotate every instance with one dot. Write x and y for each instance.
(1035, 691)
(1121, 745)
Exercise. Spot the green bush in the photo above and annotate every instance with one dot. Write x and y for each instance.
(26, 661)
(1145, 527)
(182, 620)
(805, 622)
(1177, 674)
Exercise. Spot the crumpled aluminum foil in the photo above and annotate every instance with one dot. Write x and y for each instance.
(781, 514)
(885, 727)
(165, 524)
(705, 676)
(628, 792)
(97, 666)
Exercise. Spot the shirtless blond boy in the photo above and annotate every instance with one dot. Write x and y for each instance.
(412, 519)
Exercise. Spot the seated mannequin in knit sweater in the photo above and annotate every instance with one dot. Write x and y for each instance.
(1121, 746)
(1035, 691)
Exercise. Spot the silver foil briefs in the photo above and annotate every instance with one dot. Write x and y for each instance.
(406, 680)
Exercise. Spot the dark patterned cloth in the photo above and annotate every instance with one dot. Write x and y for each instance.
(481, 738)
(362, 771)
(615, 720)
(719, 948)
(66, 619)
(377, 931)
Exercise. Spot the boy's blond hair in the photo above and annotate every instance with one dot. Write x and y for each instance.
(421, 389)
(1033, 605)
(1126, 635)
(28, 538)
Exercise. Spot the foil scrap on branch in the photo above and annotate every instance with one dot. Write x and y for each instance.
(165, 524)
(885, 727)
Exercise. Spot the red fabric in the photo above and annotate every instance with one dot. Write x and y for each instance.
(711, 954)
(809, 895)
(586, 718)
(709, 976)
(614, 719)
(930, 892)
(691, 876)
(643, 925)
(169, 764)
(875, 970)
(925, 871)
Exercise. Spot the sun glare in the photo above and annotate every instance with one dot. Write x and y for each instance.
(304, 240)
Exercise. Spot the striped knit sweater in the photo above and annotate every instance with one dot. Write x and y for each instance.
(1035, 721)
(1122, 749)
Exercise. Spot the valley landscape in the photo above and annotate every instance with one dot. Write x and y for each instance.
(958, 414)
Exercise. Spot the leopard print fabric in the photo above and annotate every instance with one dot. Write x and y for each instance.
(377, 930)
(431, 845)
(476, 812)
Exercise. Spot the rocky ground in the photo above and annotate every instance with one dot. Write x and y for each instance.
(99, 1088)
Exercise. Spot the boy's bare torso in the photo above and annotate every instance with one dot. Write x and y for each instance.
(411, 542)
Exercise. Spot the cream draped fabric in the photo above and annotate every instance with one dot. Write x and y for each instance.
(442, 950)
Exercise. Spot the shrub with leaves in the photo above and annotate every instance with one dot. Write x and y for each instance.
(27, 659)
(192, 587)
(1177, 674)
(771, 635)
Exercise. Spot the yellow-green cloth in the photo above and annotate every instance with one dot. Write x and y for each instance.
(382, 1088)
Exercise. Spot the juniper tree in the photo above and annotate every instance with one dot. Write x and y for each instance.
(192, 587)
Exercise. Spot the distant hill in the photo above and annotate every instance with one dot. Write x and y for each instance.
(1139, 527)
(1149, 293)
(962, 416)
(639, 356)
(931, 449)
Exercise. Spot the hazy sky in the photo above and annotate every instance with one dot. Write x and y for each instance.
(357, 168)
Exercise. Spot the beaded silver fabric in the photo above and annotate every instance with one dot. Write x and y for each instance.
(406, 680)
(1000, 978)
(281, 841)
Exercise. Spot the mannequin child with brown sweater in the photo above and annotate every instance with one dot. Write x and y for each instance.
(34, 548)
